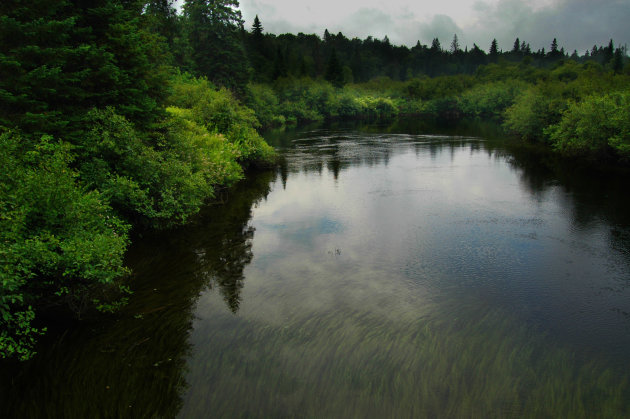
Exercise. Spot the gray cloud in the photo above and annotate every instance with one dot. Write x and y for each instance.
(441, 27)
(368, 22)
(577, 24)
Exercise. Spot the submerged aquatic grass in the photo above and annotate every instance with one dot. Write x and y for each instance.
(450, 362)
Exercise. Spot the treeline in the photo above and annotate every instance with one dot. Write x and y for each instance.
(231, 57)
(341, 60)
(100, 132)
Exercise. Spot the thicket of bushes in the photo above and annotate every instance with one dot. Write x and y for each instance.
(66, 208)
(576, 109)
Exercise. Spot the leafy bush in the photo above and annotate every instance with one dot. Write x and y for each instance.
(219, 112)
(532, 112)
(594, 126)
(490, 100)
(60, 242)
(264, 102)
(438, 87)
(154, 187)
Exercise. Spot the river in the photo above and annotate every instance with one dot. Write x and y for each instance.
(379, 271)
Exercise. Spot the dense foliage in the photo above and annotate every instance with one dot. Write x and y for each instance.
(99, 133)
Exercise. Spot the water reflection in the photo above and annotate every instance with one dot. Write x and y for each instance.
(134, 364)
(377, 272)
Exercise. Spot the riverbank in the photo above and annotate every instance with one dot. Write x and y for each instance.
(578, 110)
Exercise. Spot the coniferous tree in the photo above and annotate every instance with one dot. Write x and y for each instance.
(214, 32)
(494, 48)
(334, 71)
(517, 46)
(161, 18)
(435, 45)
(609, 52)
(257, 29)
(617, 61)
(455, 45)
(60, 59)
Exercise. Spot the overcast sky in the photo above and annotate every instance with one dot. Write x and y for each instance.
(577, 24)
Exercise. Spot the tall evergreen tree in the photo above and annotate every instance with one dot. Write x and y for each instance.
(517, 46)
(455, 45)
(334, 71)
(60, 58)
(435, 45)
(161, 18)
(609, 52)
(494, 48)
(617, 61)
(214, 32)
(257, 29)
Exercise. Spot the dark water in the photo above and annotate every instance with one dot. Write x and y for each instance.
(378, 272)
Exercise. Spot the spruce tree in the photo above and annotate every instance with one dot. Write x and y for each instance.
(61, 58)
(494, 48)
(609, 52)
(334, 71)
(617, 61)
(161, 18)
(257, 30)
(214, 32)
(517, 46)
(435, 45)
(455, 45)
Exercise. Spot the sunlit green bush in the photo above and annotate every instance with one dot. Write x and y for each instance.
(218, 111)
(594, 126)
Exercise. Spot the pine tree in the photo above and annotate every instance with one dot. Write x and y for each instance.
(60, 59)
(334, 71)
(455, 45)
(435, 45)
(257, 29)
(517, 46)
(617, 61)
(214, 32)
(494, 48)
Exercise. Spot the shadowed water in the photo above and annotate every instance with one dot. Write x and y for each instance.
(377, 272)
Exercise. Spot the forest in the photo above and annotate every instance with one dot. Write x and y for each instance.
(125, 115)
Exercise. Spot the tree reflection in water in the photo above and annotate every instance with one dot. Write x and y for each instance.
(133, 364)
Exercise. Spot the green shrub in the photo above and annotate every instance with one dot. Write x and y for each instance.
(60, 242)
(155, 187)
(219, 112)
(594, 126)
(490, 100)
(533, 111)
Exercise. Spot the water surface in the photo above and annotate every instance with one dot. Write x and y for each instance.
(377, 272)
